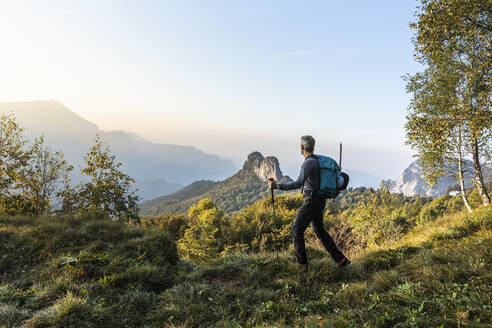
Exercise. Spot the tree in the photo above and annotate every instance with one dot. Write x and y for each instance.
(458, 33)
(109, 190)
(434, 124)
(202, 241)
(13, 155)
(43, 173)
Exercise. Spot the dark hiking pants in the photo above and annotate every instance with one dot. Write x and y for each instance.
(312, 212)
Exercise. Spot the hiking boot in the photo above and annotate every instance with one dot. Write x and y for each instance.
(343, 263)
(304, 267)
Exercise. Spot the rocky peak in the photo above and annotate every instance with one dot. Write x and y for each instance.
(411, 181)
(254, 160)
(263, 167)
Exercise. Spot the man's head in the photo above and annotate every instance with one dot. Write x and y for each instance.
(307, 144)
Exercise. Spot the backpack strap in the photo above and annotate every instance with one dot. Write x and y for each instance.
(310, 156)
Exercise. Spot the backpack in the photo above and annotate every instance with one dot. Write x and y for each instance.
(331, 179)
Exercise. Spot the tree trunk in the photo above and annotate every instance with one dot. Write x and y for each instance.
(461, 177)
(478, 174)
(462, 183)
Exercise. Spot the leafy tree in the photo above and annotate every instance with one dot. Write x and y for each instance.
(109, 190)
(434, 124)
(203, 240)
(13, 155)
(44, 172)
(453, 38)
(29, 176)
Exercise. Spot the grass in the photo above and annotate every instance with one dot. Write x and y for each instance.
(80, 272)
(436, 276)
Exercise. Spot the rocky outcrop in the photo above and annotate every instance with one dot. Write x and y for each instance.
(263, 167)
(411, 182)
(244, 188)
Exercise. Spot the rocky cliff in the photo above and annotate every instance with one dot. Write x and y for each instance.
(263, 167)
(411, 181)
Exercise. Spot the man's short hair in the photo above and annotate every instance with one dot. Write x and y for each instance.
(308, 143)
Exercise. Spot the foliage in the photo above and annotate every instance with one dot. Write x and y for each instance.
(17, 205)
(108, 190)
(361, 218)
(30, 175)
(255, 227)
(437, 275)
(83, 272)
(450, 111)
(45, 172)
(13, 154)
(203, 240)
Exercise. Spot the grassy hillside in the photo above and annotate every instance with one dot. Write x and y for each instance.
(80, 272)
(230, 195)
(439, 275)
(172, 203)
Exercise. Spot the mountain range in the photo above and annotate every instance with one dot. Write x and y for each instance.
(243, 188)
(161, 170)
(411, 181)
(157, 168)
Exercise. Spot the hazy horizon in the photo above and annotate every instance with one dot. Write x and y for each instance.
(226, 78)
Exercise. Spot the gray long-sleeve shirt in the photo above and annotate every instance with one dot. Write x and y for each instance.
(308, 177)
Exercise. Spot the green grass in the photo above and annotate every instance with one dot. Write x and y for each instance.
(80, 272)
(437, 275)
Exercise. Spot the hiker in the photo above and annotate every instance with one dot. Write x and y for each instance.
(312, 209)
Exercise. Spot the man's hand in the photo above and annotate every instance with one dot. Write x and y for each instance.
(272, 184)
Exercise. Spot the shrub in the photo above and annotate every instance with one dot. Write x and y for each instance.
(203, 240)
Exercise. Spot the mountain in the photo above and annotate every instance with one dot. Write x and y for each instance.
(167, 166)
(411, 181)
(147, 189)
(242, 189)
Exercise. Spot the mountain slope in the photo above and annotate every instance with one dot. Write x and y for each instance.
(411, 181)
(147, 189)
(165, 164)
(243, 188)
(437, 276)
(83, 272)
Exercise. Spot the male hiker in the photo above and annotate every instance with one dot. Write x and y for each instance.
(312, 209)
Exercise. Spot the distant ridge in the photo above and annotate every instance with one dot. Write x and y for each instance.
(242, 189)
(411, 182)
(158, 168)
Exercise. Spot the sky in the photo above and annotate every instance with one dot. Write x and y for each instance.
(228, 77)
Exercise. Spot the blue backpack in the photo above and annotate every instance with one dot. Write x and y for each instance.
(332, 180)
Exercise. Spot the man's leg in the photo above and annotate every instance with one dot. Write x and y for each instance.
(298, 227)
(325, 238)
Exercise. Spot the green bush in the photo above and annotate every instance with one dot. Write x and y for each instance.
(16, 205)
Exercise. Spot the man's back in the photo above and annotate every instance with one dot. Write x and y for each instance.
(308, 177)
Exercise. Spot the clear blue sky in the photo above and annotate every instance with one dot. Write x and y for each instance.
(228, 77)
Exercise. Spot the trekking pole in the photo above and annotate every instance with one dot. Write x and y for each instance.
(340, 161)
(274, 221)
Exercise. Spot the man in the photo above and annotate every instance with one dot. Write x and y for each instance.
(312, 209)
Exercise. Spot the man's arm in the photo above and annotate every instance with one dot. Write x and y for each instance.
(303, 175)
